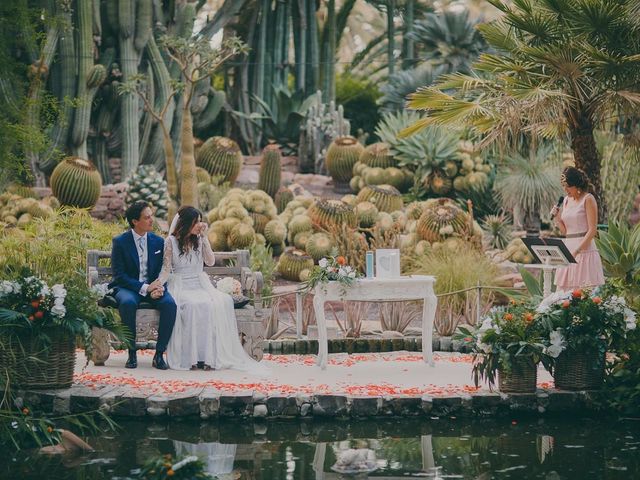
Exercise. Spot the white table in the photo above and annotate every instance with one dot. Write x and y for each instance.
(415, 287)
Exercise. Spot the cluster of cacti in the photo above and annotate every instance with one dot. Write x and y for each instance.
(240, 219)
(442, 218)
(518, 252)
(76, 182)
(16, 210)
(220, 156)
(327, 214)
(295, 265)
(148, 185)
(472, 173)
(270, 170)
(342, 155)
(401, 179)
(385, 197)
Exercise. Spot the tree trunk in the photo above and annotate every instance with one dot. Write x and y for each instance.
(587, 159)
(189, 184)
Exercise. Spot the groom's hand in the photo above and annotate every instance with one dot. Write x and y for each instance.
(157, 293)
(155, 285)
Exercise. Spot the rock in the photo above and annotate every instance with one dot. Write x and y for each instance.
(391, 334)
(445, 344)
(330, 406)
(260, 411)
(305, 409)
(365, 406)
(157, 406)
(238, 405)
(282, 406)
(209, 403)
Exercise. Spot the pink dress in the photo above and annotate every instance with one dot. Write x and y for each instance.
(588, 271)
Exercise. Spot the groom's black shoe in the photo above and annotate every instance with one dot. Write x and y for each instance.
(158, 362)
(132, 362)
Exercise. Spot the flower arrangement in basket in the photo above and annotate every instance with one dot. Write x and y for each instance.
(39, 325)
(584, 321)
(510, 341)
(233, 287)
(332, 269)
(581, 326)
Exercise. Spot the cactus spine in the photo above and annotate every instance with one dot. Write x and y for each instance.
(221, 156)
(76, 182)
(270, 170)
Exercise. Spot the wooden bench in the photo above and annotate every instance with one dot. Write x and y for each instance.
(228, 264)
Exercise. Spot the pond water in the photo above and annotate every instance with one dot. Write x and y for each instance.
(577, 448)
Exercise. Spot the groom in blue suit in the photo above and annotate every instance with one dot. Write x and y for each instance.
(136, 261)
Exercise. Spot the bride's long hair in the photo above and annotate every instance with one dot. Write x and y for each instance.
(187, 218)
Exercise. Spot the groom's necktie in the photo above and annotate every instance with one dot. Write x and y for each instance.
(143, 258)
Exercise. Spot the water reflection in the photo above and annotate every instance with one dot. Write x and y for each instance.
(380, 449)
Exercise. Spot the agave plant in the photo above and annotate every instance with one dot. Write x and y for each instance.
(620, 251)
(281, 122)
(498, 229)
(529, 186)
(449, 38)
(402, 83)
(422, 152)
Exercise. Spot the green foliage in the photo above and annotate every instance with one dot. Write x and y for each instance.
(456, 271)
(498, 229)
(619, 249)
(508, 336)
(333, 268)
(529, 185)
(262, 261)
(404, 82)
(358, 98)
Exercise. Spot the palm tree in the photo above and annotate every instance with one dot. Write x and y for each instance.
(561, 67)
(448, 38)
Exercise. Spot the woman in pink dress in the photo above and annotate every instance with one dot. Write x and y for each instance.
(578, 221)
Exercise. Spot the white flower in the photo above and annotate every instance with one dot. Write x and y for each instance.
(100, 289)
(352, 274)
(230, 286)
(557, 344)
(484, 347)
(323, 263)
(58, 310)
(553, 299)
(630, 319)
(342, 271)
(184, 462)
(59, 291)
(7, 287)
(59, 301)
(44, 291)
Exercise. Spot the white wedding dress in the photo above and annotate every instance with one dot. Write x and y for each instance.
(205, 328)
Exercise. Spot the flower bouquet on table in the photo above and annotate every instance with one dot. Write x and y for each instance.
(508, 344)
(231, 286)
(581, 326)
(332, 269)
(39, 325)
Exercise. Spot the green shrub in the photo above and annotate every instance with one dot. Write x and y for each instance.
(359, 99)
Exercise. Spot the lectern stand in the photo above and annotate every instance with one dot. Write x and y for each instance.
(550, 253)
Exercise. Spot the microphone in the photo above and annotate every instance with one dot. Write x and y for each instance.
(556, 209)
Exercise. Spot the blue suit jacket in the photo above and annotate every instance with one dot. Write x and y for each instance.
(126, 265)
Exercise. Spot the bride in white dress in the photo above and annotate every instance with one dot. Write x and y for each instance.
(205, 330)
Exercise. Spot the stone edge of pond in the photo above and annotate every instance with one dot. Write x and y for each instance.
(208, 403)
(363, 345)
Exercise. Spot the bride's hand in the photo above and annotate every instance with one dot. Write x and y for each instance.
(202, 228)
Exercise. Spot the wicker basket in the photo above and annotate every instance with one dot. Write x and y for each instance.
(522, 378)
(579, 371)
(37, 368)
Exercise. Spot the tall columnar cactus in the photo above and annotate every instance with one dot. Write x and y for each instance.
(76, 182)
(385, 197)
(378, 155)
(270, 170)
(221, 156)
(342, 155)
(328, 214)
(292, 263)
(441, 219)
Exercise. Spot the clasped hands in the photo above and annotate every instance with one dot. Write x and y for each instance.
(155, 289)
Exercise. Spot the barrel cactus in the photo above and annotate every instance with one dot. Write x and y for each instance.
(270, 170)
(367, 214)
(292, 263)
(385, 197)
(319, 245)
(330, 213)
(241, 237)
(220, 156)
(202, 175)
(76, 182)
(282, 197)
(377, 155)
(441, 219)
(146, 184)
(275, 232)
(342, 155)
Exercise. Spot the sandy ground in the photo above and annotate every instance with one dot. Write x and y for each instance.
(371, 374)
